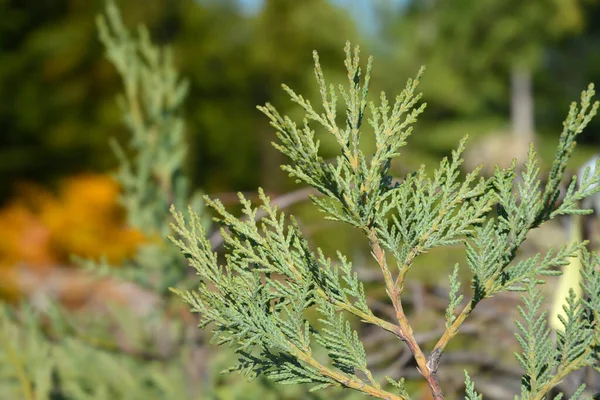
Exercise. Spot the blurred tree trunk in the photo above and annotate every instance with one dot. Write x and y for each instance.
(522, 116)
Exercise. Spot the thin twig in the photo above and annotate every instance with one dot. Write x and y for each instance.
(345, 380)
(405, 333)
(450, 332)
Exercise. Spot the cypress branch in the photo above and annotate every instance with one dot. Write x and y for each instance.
(259, 298)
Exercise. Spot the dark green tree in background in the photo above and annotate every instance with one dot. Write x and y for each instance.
(485, 58)
(246, 66)
(475, 46)
(56, 89)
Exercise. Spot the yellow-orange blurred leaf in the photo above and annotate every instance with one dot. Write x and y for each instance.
(39, 230)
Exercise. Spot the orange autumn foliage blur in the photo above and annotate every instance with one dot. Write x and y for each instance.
(40, 230)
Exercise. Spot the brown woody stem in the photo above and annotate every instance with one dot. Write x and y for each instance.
(453, 329)
(405, 331)
(345, 380)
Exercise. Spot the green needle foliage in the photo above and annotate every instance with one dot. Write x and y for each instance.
(152, 177)
(262, 298)
(470, 392)
(151, 107)
(122, 354)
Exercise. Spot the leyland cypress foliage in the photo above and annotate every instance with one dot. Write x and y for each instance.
(153, 178)
(55, 355)
(258, 299)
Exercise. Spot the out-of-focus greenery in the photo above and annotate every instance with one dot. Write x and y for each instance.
(135, 349)
(470, 47)
(56, 88)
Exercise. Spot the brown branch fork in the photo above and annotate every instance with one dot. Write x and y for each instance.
(427, 366)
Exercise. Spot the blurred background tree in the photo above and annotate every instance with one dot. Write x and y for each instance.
(489, 62)
(56, 88)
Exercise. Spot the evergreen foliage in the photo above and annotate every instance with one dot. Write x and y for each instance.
(123, 354)
(63, 362)
(152, 111)
(262, 297)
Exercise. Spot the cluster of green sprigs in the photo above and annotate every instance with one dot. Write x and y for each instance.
(354, 185)
(492, 248)
(151, 106)
(261, 298)
(494, 244)
(153, 179)
(431, 212)
(470, 392)
(117, 355)
(545, 363)
(258, 299)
